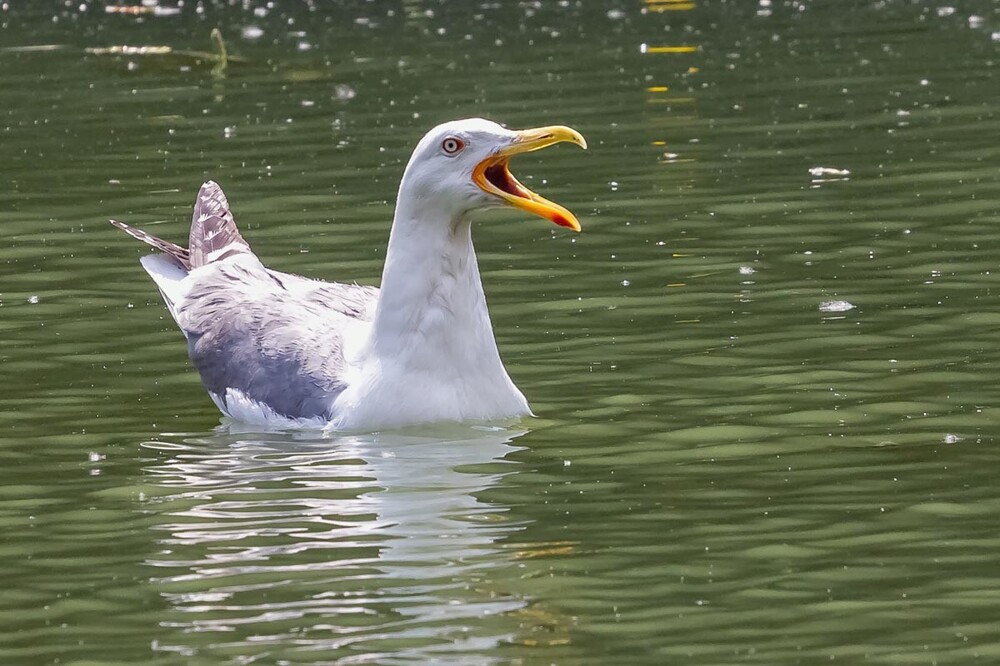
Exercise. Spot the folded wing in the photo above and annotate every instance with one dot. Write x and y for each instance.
(258, 337)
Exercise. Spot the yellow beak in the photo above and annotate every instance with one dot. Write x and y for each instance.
(493, 176)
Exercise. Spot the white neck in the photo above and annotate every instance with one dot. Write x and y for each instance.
(432, 306)
(430, 352)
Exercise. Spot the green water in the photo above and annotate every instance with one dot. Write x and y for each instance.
(767, 400)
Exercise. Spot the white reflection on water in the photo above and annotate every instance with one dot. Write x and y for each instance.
(333, 546)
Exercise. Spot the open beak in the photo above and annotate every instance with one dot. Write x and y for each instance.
(493, 176)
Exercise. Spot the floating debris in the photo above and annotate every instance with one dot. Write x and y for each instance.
(646, 48)
(142, 10)
(344, 92)
(220, 58)
(835, 306)
(817, 172)
(130, 50)
(822, 175)
(33, 48)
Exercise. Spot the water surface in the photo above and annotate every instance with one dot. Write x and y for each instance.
(765, 373)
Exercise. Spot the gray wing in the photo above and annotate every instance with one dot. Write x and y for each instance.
(274, 337)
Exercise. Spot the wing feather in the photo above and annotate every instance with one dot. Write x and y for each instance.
(256, 336)
(248, 332)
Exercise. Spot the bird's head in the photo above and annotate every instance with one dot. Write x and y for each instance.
(463, 165)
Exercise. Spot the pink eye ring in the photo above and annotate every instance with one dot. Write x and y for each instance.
(452, 145)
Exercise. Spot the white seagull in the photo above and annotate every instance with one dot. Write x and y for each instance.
(286, 351)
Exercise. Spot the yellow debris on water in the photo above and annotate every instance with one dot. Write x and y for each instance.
(645, 48)
(669, 5)
(672, 7)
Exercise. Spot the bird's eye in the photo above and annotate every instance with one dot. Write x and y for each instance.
(452, 145)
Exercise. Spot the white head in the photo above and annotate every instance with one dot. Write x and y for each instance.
(462, 166)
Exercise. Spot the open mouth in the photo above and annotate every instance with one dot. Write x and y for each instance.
(498, 174)
(493, 174)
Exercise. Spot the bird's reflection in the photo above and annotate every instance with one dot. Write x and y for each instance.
(333, 546)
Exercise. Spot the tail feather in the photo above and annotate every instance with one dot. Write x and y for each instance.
(214, 235)
(169, 277)
(176, 252)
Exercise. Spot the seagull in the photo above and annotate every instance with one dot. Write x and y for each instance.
(281, 350)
